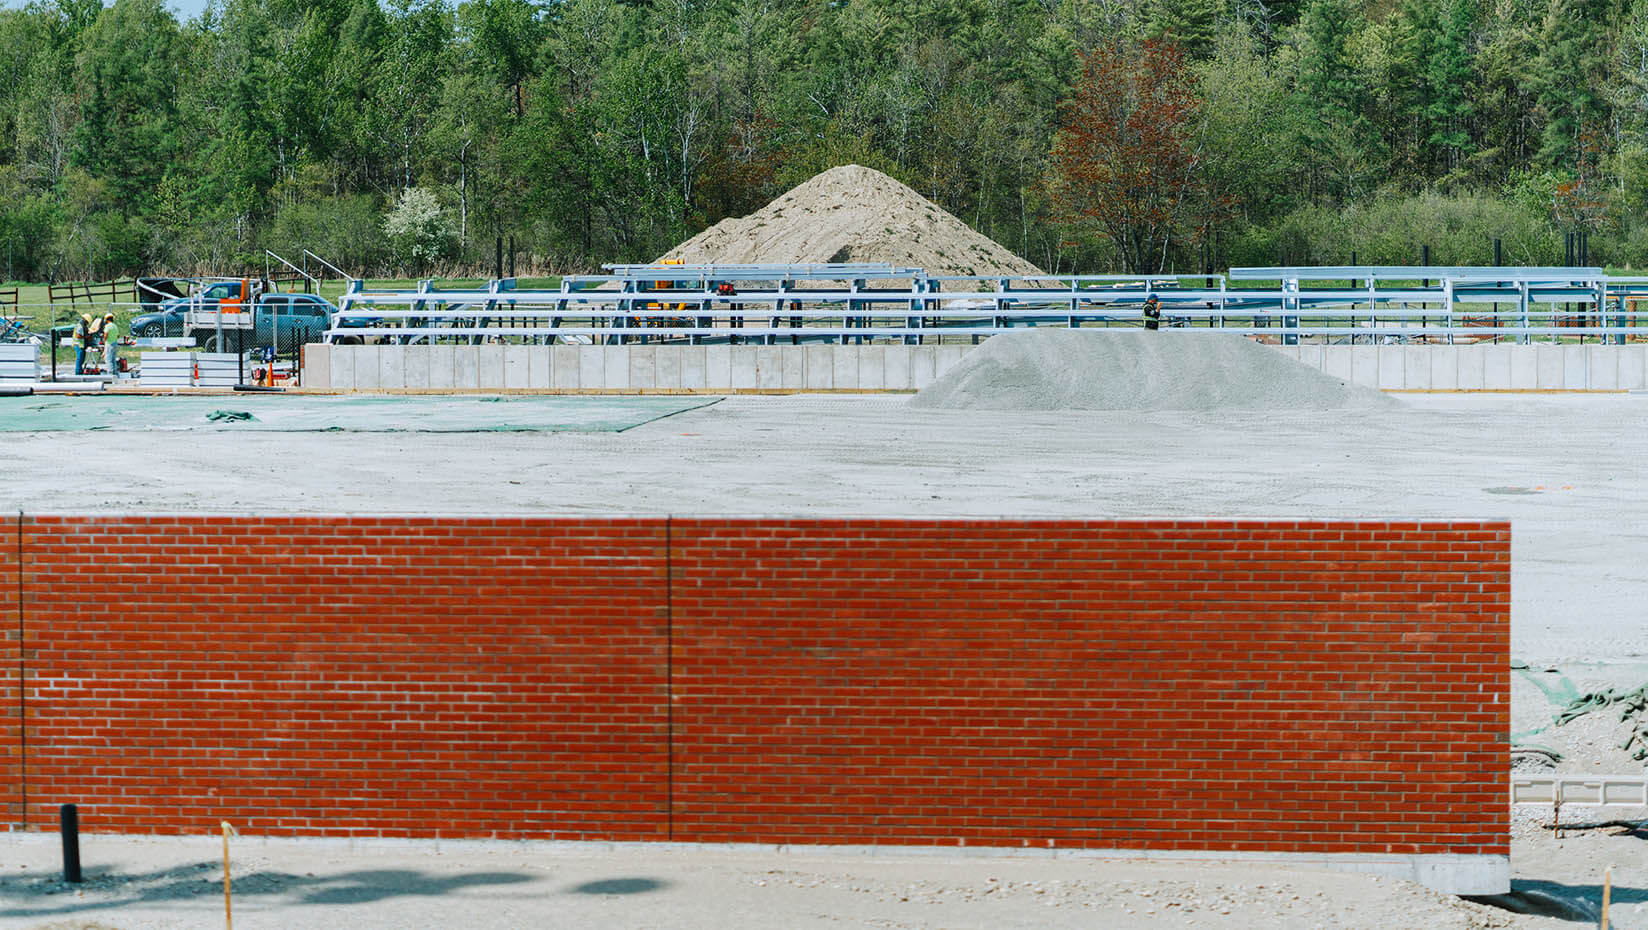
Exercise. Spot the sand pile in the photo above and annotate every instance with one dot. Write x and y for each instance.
(1063, 369)
(853, 214)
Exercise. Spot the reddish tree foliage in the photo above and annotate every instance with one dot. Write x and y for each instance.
(1126, 161)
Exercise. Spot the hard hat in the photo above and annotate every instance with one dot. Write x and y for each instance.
(86, 316)
(108, 316)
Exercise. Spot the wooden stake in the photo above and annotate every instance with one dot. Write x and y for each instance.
(1607, 892)
(228, 914)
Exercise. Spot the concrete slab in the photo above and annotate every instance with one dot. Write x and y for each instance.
(1337, 362)
(366, 367)
(591, 367)
(1312, 355)
(565, 367)
(466, 367)
(517, 366)
(537, 368)
(769, 367)
(1548, 368)
(341, 362)
(615, 367)
(415, 366)
(489, 366)
(317, 366)
(1525, 368)
(1416, 368)
(1496, 366)
(1444, 367)
(443, 367)
(1633, 368)
(844, 368)
(923, 366)
(391, 366)
(1364, 365)
(896, 370)
(795, 368)
(718, 367)
(694, 367)
(1576, 375)
(1602, 367)
(741, 363)
(667, 365)
(643, 367)
(819, 367)
(872, 367)
(1471, 372)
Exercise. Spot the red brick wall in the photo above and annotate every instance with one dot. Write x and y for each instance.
(11, 695)
(1172, 685)
(391, 677)
(1311, 687)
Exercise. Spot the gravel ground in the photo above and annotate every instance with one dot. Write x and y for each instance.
(1565, 471)
(148, 884)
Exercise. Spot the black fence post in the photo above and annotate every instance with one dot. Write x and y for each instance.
(68, 820)
(499, 257)
(512, 256)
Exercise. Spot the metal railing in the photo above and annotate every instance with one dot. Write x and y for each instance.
(775, 304)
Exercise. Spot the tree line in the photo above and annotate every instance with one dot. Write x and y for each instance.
(1087, 135)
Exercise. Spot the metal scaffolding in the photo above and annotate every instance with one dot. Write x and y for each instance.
(794, 304)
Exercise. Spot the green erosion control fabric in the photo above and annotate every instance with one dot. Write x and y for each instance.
(292, 413)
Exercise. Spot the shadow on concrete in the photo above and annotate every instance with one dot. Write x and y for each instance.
(46, 895)
(620, 886)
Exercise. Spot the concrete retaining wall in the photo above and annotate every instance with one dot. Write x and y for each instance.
(1482, 367)
(627, 368)
(909, 368)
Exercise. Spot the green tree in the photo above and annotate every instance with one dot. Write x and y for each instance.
(1572, 76)
(126, 75)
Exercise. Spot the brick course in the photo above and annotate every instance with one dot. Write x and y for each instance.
(1275, 686)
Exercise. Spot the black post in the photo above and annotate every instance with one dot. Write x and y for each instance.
(1425, 260)
(1584, 248)
(1499, 259)
(512, 256)
(499, 255)
(68, 819)
(54, 347)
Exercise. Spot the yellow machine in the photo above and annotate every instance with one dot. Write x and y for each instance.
(654, 316)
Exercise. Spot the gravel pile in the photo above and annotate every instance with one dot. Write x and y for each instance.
(1129, 369)
(853, 214)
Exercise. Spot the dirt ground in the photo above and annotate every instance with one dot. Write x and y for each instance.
(147, 884)
(1565, 470)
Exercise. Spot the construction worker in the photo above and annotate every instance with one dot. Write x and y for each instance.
(111, 341)
(82, 338)
(1152, 312)
(94, 340)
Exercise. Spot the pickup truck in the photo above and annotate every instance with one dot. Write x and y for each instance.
(292, 319)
